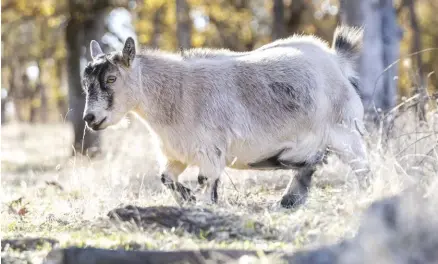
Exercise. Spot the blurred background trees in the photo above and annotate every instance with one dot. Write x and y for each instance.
(381, 49)
(45, 44)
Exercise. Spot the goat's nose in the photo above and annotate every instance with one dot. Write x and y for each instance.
(89, 118)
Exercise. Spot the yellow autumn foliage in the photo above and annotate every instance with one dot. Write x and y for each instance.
(237, 25)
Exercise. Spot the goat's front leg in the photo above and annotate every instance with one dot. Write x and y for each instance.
(210, 171)
(169, 177)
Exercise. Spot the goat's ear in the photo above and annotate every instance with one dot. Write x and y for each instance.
(128, 52)
(95, 49)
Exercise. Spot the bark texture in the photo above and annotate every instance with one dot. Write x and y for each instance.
(278, 27)
(184, 24)
(381, 49)
(80, 30)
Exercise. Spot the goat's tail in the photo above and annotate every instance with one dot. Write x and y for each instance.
(347, 42)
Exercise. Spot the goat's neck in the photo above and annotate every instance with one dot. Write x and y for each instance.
(158, 83)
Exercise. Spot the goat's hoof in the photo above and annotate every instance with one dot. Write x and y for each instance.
(292, 201)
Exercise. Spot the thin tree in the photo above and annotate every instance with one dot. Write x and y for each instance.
(184, 24)
(80, 30)
(296, 12)
(416, 46)
(278, 27)
(381, 49)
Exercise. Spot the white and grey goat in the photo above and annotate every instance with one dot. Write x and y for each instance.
(280, 106)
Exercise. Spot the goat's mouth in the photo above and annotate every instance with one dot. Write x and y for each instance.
(97, 126)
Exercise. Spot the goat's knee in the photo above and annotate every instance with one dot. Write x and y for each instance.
(208, 187)
(211, 162)
(202, 182)
(209, 179)
(169, 178)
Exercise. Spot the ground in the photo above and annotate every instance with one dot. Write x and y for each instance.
(47, 193)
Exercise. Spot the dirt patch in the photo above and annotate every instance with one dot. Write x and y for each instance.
(198, 221)
(388, 234)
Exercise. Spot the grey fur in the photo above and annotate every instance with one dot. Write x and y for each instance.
(213, 109)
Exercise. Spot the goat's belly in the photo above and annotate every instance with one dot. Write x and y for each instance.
(242, 153)
(270, 156)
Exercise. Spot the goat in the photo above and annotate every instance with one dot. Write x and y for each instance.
(280, 106)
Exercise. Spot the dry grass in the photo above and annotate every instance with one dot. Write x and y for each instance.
(74, 212)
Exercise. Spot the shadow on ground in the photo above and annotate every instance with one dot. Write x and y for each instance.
(399, 229)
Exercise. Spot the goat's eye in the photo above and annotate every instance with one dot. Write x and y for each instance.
(111, 79)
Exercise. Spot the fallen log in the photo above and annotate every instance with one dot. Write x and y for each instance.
(198, 221)
(76, 255)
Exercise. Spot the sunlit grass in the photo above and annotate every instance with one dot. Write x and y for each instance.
(68, 198)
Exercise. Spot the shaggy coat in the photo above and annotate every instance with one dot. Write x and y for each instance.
(280, 106)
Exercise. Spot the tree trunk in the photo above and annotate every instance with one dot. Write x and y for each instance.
(391, 37)
(415, 47)
(184, 24)
(43, 109)
(351, 12)
(42, 94)
(278, 28)
(35, 102)
(157, 27)
(94, 29)
(85, 142)
(61, 102)
(381, 48)
(296, 10)
(3, 105)
(15, 89)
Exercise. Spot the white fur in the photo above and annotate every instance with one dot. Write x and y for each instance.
(209, 108)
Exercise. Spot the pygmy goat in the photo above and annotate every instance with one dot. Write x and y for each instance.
(280, 106)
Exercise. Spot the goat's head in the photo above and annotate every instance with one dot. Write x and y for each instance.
(108, 98)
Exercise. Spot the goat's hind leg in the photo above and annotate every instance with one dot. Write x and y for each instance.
(349, 146)
(169, 178)
(298, 188)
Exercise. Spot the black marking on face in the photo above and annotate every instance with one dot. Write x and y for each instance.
(101, 74)
(96, 73)
(110, 100)
(92, 92)
(88, 69)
